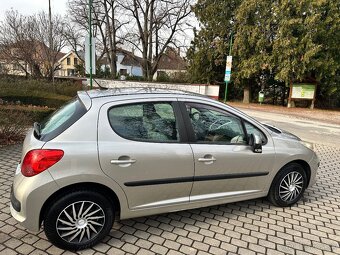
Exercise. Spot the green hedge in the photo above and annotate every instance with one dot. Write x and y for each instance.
(37, 92)
(31, 114)
(15, 121)
(51, 101)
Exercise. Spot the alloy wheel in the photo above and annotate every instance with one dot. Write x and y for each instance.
(291, 186)
(80, 222)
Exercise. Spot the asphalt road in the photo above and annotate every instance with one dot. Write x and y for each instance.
(308, 130)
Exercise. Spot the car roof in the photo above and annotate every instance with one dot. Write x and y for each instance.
(100, 93)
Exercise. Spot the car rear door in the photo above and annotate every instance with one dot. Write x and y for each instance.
(142, 145)
(225, 165)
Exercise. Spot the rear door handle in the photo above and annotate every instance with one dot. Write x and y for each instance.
(122, 161)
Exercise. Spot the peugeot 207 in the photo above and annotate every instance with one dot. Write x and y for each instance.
(133, 152)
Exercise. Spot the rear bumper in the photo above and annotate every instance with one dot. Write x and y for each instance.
(28, 196)
(15, 203)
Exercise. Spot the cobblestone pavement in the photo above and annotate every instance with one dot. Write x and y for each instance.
(250, 227)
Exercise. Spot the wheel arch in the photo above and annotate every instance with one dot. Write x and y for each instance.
(97, 187)
(305, 167)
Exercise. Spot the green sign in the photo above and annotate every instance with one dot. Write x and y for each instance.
(303, 91)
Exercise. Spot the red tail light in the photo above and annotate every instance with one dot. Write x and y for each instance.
(37, 161)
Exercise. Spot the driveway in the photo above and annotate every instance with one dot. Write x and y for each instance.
(249, 227)
(312, 130)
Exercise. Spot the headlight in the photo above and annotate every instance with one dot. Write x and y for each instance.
(308, 145)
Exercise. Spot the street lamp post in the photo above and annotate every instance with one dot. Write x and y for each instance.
(228, 68)
(90, 32)
(50, 41)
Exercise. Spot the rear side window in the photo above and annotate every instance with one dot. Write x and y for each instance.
(61, 119)
(154, 122)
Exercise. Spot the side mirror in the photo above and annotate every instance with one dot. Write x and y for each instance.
(256, 143)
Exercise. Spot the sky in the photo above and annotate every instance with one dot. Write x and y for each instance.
(28, 7)
(32, 6)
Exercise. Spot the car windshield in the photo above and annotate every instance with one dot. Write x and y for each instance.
(61, 119)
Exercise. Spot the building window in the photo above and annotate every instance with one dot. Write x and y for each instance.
(68, 61)
(123, 71)
(17, 67)
(75, 61)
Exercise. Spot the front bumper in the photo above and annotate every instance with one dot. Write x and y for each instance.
(314, 165)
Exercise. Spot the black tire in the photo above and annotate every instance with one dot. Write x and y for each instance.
(281, 193)
(100, 217)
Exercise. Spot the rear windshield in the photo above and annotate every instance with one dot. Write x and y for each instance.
(61, 119)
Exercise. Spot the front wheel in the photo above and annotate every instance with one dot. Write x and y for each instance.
(79, 220)
(288, 185)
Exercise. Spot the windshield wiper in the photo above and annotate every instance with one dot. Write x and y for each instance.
(36, 127)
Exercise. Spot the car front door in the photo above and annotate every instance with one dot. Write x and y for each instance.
(225, 165)
(142, 146)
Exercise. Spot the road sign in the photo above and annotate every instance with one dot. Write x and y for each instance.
(228, 69)
(87, 55)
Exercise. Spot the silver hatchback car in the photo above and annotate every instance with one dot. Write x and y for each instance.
(133, 152)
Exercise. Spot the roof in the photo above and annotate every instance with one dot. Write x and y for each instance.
(60, 55)
(131, 60)
(96, 93)
(64, 55)
(171, 60)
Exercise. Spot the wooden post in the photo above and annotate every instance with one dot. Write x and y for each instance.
(290, 95)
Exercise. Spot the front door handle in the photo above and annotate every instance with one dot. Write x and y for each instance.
(207, 159)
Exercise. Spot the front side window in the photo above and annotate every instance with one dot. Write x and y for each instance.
(149, 121)
(251, 129)
(212, 125)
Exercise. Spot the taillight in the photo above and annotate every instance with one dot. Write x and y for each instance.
(37, 161)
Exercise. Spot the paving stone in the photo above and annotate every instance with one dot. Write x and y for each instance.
(201, 246)
(171, 245)
(248, 227)
(8, 251)
(130, 248)
(188, 250)
(159, 249)
(144, 252)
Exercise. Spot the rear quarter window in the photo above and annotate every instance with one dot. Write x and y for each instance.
(61, 119)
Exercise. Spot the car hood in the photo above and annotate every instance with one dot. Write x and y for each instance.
(281, 133)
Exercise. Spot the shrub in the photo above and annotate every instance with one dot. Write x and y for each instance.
(12, 127)
(135, 78)
(163, 77)
(15, 120)
(37, 92)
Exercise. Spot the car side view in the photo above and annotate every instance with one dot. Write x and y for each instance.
(132, 152)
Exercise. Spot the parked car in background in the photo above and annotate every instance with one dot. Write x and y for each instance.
(133, 152)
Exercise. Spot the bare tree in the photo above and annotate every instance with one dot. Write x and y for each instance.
(16, 35)
(58, 41)
(154, 27)
(107, 24)
(24, 40)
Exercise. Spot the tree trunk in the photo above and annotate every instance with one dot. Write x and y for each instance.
(246, 93)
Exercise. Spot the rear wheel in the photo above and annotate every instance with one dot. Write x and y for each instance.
(79, 220)
(288, 185)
